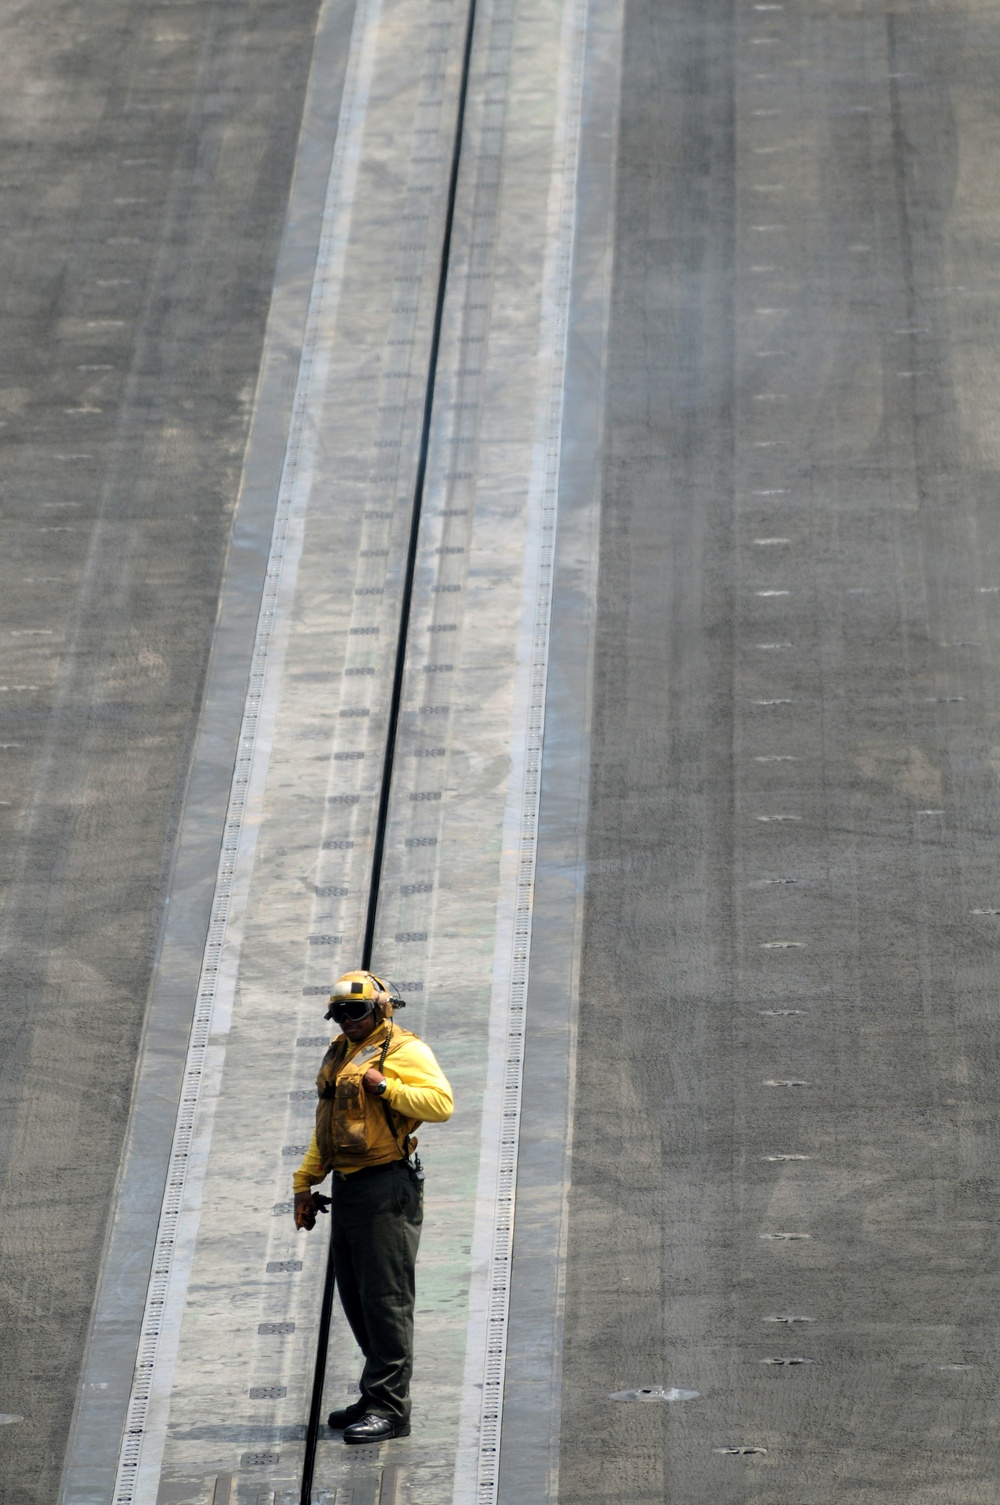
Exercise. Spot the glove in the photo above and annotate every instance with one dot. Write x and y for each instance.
(307, 1205)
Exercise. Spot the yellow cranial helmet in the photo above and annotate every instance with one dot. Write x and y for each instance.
(357, 994)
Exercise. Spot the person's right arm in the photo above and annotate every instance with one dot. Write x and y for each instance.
(311, 1171)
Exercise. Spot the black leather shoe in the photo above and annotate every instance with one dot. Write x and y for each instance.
(373, 1428)
(338, 1420)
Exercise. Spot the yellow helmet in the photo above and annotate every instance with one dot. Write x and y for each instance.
(362, 988)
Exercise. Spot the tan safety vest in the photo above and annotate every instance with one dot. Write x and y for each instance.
(351, 1125)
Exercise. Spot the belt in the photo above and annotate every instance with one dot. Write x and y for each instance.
(366, 1170)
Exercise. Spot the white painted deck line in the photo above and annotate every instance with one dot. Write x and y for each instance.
(141, 1453)
(100, 1409)
(478, 1459)
(530, 1444)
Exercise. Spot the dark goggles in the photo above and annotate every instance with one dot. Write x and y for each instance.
(351, 1008)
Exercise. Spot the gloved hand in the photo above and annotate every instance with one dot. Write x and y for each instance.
(307, 1205)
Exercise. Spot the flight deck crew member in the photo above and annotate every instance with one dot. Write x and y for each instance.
(377, 1084)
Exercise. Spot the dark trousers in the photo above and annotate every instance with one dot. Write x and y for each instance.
(376, 1233)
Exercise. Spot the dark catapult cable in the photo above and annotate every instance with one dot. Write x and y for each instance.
(378, 849)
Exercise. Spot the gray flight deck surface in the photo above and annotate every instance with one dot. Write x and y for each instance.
(786, 1098)
(146, 155)
(758, 1153)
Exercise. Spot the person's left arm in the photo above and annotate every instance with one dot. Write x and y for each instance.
(415, 1085)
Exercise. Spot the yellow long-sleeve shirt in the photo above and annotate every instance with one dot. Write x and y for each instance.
(416, 1088)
